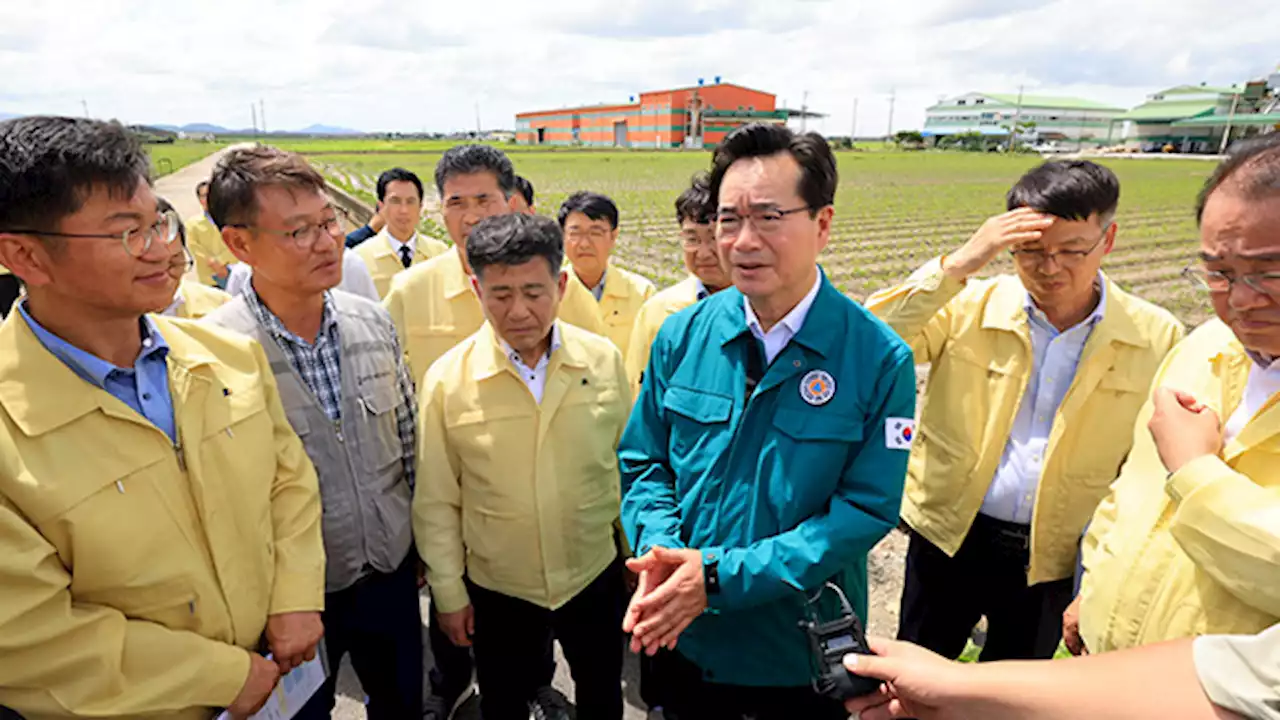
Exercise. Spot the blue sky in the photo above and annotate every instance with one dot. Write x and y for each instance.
(405, 65)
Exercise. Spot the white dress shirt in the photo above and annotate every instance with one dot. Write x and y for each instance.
(788, 327)
(411, 243)
(534, 377)
(1262, 384)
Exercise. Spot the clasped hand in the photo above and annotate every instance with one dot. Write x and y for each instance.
(669, 596)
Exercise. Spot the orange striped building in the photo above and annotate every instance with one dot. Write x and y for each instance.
(698, 116)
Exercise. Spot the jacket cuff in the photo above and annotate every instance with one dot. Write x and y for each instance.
(932, 278)
(227, 669)
(295, 592)
(1193, 476)
(450, 597)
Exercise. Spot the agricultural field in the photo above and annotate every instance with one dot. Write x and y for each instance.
(894, 210)
(167, 158)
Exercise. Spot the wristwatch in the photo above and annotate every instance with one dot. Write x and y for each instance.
(711, 573)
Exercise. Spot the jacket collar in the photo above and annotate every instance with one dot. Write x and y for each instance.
(40, 393)
(455, 279)
(616, 284)
(816, 335)
(491, 359)
(1006, 309)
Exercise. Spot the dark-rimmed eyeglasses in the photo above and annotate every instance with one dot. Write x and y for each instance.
(766, 221)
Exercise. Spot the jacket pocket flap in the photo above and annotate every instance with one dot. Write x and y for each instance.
(817, 426)
(697, 405)
(1122, 382)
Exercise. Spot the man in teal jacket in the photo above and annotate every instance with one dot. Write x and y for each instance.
(766, 453)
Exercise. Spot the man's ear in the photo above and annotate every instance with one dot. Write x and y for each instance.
(475, 285)
(237, 241)
(27, 258)
(825, 217)
(563, 281)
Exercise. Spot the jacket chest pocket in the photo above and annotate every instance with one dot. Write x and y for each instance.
(379, 426)
(1104, 434)
(699, 423)
(972, 396)
(815, 446)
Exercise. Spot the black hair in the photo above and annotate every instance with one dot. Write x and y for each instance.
(695, 202)
(468, 159)
(1069, 189)
(50, 165)
(818, 176)
(515, 239)
(1252, 167)
(233, 190)
(525, 188)
(594, 205)
(397, 175)
(164, 206)
(200, 186)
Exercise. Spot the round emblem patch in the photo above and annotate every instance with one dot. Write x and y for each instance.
(817, 387)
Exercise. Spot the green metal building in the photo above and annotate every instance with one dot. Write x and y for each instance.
(1072, 123)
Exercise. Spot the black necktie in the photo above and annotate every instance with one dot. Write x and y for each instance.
(406, 257)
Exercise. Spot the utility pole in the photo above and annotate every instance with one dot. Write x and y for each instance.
(478, 131)
(1017, 115)
(804, 111)
(85, 104)
(253, 111)
(853, 129)
(262, 115)
(893, 99)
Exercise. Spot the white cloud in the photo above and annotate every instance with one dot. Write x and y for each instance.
(395, 64)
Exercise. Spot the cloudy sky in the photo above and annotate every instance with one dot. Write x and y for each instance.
(423, 64)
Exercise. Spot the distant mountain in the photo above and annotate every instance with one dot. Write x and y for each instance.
(327, 130)
(202, 128)
(170, 128)
(6, 116)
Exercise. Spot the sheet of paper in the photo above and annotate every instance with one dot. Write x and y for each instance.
(292, 692)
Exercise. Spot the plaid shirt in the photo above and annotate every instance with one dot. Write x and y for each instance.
(320, 367)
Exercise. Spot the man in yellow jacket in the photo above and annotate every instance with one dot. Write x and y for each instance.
(192, 300)
(159, 521)
(1033, 383)
(399, 246)
(204, 239)
(590, 224)
(518, 480)
(707, 276)
(1188, 541)
(433, 305)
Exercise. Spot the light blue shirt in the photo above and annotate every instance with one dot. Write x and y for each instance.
(143, 387)
(1055, 359)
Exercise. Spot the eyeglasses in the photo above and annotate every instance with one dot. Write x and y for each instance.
(1215, 282)
(696, 243)
(594, 234)
(1035, 257)
(766, 222)
(303, 237)
(136, 242)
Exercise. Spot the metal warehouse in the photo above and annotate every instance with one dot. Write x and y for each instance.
(697, 116)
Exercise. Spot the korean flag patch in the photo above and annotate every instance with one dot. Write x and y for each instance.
(898, 433)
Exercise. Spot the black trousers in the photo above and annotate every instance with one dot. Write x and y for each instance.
(688, 696)
(512, 637)
(945, 596)
(377, 621)
(9, 291)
